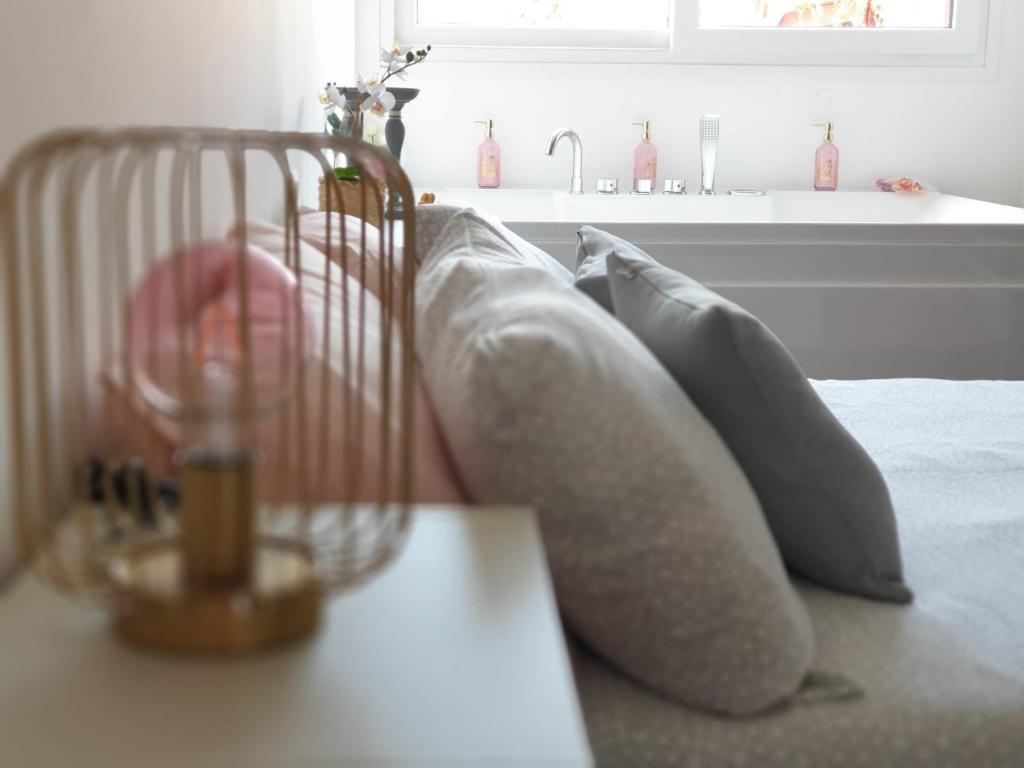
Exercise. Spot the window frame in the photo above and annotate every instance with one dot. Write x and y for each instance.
(963, 45)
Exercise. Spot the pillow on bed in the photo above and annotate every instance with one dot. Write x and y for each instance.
(431, 219)
(502, 242)
(592, 248)
(659, 551)
(313, 232)
(825, 499)
(434, 479)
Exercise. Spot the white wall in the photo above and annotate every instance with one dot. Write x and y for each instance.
(957, 129)
(236, 63)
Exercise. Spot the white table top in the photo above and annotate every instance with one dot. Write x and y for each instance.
(454, 655)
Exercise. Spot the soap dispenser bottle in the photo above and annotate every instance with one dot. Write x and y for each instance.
(826, 164)
(488, 158)
(645, 161)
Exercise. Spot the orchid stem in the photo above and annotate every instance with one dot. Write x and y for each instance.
(401, 69)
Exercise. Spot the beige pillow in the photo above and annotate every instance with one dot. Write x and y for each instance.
(660, 555)
(434, 478)
(367, 252)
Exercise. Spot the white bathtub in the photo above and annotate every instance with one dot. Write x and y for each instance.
(864, 208)
(858, 284)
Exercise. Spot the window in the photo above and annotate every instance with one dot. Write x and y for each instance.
(564, 14)
(605, 24)
(872, 14)
(792, 32)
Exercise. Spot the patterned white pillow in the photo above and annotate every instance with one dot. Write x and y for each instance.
(661, 558)
(431, 218)
(431, 221)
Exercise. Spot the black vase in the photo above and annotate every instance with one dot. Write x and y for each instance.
(394, 128)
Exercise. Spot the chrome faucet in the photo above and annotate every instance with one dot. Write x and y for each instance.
(708, 153)
(576, 186)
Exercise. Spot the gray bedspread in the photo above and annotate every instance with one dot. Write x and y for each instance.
(943, 678)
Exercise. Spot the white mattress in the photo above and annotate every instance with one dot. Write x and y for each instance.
(943, 678)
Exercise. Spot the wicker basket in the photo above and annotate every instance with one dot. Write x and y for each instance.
(352, 191)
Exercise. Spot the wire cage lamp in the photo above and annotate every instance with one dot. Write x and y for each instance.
(206, 436)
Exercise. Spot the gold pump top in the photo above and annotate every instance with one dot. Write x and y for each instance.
(488, 129)
(647, 129)
(828, 131)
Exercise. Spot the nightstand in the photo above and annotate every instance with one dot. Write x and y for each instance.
(452, 656)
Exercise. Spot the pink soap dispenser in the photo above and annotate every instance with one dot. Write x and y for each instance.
(488, 158)
(645, 162)
(826, 164)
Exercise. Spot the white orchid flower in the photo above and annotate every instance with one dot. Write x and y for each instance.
(376, 98)
(393, 56)
(363, 85)
(335, 96)
(397, 58)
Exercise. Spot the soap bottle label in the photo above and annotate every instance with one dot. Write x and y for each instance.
(825, 175)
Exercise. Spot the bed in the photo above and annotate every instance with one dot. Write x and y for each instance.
(942, 680)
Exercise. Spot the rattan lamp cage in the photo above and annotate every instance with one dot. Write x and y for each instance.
(224, 548)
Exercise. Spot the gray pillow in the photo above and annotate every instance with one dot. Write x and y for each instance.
(592, 248)
(660, 555)
(826, 502)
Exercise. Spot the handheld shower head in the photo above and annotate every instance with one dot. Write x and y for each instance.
(709, 130)
(709, 127)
